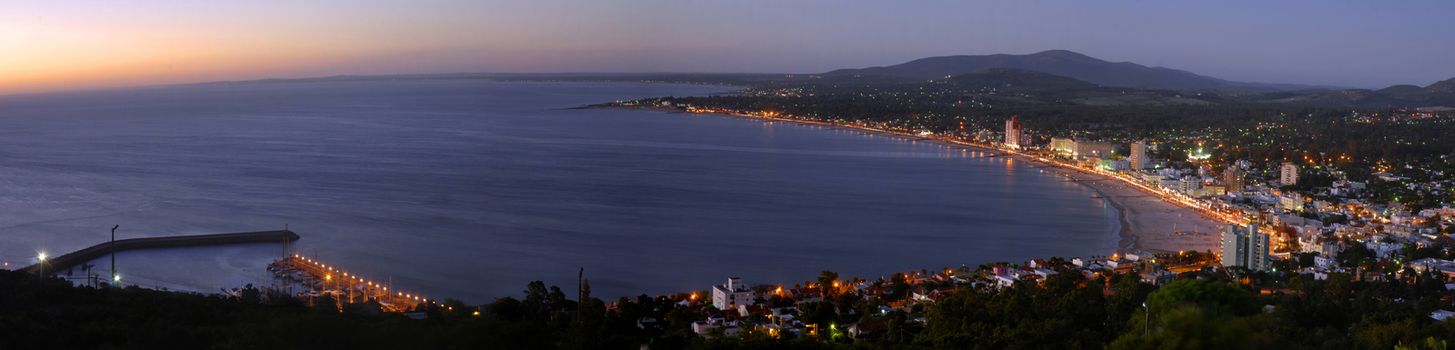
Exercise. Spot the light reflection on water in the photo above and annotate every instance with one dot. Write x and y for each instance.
(470, 189)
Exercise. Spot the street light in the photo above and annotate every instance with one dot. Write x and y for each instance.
(40, 261)
(1146, 318)
(112, 246)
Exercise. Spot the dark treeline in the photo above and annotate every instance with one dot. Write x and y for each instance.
(1067, 311)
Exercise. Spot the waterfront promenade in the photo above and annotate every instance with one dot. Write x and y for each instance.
(1151, 219)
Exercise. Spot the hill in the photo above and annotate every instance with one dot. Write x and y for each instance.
(1017, 79)
(1063, 63)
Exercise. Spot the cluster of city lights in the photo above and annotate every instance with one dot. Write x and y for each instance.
(329, 271)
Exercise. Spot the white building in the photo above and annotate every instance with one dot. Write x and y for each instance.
(1189, 185)
(1063, 146)
(1014, 134)
(1138, 157)
(729, 296)
(1289, 174)
(1291, 202)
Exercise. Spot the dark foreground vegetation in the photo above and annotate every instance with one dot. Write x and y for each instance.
(1066, 311)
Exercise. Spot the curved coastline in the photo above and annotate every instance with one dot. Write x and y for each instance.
(1146, 222)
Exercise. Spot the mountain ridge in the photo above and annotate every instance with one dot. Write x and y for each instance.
(1065, 63)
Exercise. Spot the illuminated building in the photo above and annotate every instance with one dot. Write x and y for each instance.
(1245, 246)
(1014, 134)
(1289, 174)
(1233, 179)
(1080, 149)
(729, 296)
(1138, 157)
(1063, 146)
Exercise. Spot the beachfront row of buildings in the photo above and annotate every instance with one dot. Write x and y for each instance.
(1285, 215)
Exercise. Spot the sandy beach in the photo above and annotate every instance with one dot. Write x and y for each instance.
(1148, 222)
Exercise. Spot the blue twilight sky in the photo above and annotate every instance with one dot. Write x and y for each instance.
(72, 43)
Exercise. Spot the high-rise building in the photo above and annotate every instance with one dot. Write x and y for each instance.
(1014, 134)
(1290, 174)
(1233, 180)
(1138, 157)
(1245, 246)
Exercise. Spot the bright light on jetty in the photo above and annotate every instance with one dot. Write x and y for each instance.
(41, 256)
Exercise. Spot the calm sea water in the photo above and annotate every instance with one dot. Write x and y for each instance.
(470, 189)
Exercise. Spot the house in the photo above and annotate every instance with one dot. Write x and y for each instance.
(728, 296)
(706, 329)
(867, 329)
(649, 323)
(1445, 268)
(1383, 250)
(752, 309)
(1158, 277)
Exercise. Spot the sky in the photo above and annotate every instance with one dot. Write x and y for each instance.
(74, 44)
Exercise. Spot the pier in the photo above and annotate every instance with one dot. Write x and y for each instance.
(344, 287)
(96, 251)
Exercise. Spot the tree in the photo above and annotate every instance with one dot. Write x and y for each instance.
(826, 281)
(535, 297)
(1196, 314)
(507, 309)
(1189, 327)
(1215, 298)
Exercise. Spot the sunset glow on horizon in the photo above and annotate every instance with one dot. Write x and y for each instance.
(67, 44)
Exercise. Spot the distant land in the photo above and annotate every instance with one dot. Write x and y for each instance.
(1055, 77)
(1047, 77)
(1065, 63)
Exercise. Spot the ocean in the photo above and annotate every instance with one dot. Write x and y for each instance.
(469, 189)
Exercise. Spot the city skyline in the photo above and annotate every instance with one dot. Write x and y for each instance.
(56, 46)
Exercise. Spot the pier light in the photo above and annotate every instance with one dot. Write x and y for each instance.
(116, 278)
(41, 256)
(328, 277)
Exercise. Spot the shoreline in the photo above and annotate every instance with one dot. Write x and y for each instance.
(1147, 222)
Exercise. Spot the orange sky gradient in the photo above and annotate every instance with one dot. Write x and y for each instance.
(82, 44)
(64, 45)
